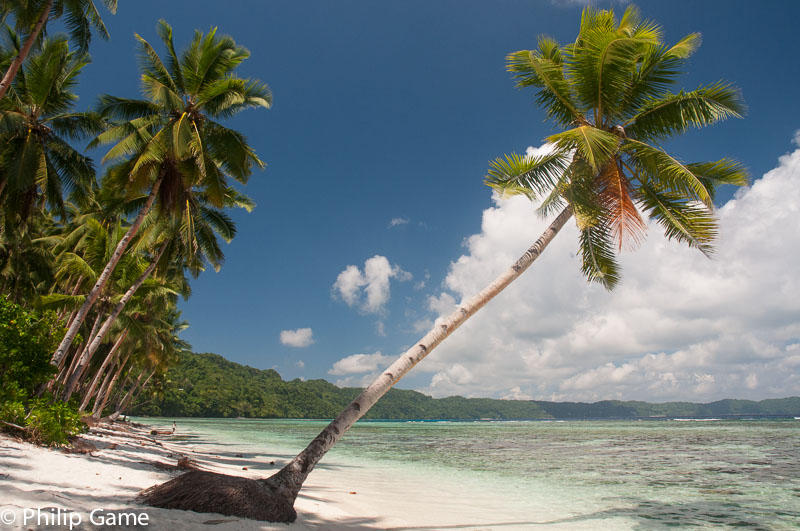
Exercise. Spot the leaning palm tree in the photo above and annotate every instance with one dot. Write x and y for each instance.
(31, 17)
(168, 147)
(610, 91)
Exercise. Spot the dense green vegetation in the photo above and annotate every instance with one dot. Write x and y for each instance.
(26, 340)
(208, 385)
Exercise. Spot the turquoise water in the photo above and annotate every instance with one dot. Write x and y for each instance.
(649, 474)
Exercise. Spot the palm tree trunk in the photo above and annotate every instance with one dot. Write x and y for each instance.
(102, 280)
(65, 372)
(63, 313)
(122, 403)
(104, 386)
(130, 397)
(102, 398)
(11, 73)
(274, 496)
(98, 338)
(109, 358)
(138, 391)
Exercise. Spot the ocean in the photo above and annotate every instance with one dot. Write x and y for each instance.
(646, 474)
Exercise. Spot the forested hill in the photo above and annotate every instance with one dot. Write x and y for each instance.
(208, 385)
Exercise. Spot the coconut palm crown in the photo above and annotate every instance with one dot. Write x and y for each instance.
(37, 162)
(31, 17)
(80, 16)
(171, 135)
(611, 91)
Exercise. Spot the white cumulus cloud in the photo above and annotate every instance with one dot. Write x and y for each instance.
(300, 338)
(679, 327)
(360, 369)
(396, 222)
(368, 289)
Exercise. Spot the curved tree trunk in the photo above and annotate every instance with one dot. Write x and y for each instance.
(138, 392)
(102, 280)
(102, 399)
(104, 386)
(67, 370)
(273, 498)
(63, 313)
(87, 354)
(11, 73)
(123, 405)
(123, 401)
(109, 358)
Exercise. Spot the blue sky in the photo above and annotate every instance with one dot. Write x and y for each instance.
(390, 111)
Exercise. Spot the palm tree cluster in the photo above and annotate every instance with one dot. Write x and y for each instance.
(113, 251)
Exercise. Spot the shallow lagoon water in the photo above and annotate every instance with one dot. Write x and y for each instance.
(638, 474)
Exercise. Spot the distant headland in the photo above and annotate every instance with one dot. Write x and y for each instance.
(208, 385)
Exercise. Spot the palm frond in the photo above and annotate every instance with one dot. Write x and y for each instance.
(531, 176)
(173, 63)
(594, 145)
(723, 171)
(675, 113)
(622, 217)
(666, 171)
(598, 261)
(686, 221)
(543, 70)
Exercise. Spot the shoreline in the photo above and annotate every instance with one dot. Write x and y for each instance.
(58, 487)
(493, 476)
(103, 483)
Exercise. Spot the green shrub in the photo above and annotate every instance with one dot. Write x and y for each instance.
(27, 340)
(53, 423)
(13, 412)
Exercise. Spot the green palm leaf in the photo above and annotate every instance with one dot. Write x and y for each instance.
(675, 113)
(531, 176)
(594, 145)
(688, 222)
(598, 261)
(663, 169)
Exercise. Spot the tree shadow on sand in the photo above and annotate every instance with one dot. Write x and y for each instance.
(654, 514)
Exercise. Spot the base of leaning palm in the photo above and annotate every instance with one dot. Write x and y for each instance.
(210, 492)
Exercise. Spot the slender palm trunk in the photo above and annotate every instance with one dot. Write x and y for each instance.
(86, 357)
(11, 73)
(104, 387)
(109, 358)
(102, 398)
(122, 404)
(138, 392)
(63, 313)
(102, 280)
(66, 371)
(130, 397)
(288, 481)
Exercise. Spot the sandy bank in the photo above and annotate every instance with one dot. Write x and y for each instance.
(336, 496)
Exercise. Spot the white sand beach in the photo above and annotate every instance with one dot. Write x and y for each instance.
(336, 496)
